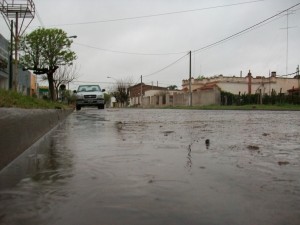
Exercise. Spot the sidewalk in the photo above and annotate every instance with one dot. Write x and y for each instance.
(20, 128)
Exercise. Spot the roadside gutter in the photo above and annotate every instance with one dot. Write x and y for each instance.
(20, 128)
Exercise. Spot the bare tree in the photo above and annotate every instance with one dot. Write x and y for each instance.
(63, 76)
(121, 91)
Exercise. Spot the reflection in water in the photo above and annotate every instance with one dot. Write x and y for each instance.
(54, 164)
(207, 143)
(189, 158)
(36, 181)
(95, 169)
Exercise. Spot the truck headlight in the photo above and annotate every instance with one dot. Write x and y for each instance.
(99, 96)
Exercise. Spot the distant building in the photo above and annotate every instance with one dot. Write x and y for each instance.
(135, 92)
(33, 85)
(4, 62)
(154, 96)
(26, 80)
(27, 83)
(43, 91)
(244, 85)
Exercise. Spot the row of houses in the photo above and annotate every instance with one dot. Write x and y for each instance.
(247, 84)
(207, 91)
(161, 96)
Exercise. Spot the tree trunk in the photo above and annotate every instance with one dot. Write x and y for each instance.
(56, 91)
(51, 82)
(51, 85)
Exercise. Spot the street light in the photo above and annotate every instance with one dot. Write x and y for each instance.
(112, 78)
(73, 36)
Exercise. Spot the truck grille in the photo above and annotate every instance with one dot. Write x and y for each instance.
(89, 96)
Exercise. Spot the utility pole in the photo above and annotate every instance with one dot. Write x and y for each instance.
(141, 90)
(16, 72)
(11, 55)
(298, 76)
(190, 81)
(17, 10)
(269, 83)
(287, 42)
(288, 13)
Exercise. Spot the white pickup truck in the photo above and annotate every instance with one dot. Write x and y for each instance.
(89, 95)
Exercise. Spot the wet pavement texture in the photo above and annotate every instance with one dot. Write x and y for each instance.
(138, 166)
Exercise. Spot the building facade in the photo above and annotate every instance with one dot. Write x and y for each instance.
(135, 96)
(4, 62)
(245, 85)
(207, 96)
(27, 81)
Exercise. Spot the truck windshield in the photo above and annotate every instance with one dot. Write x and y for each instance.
(88, 88)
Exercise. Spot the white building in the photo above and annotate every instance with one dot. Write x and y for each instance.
(246, 85)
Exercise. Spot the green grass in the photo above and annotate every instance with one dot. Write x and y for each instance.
(11, 99)
(279, 107)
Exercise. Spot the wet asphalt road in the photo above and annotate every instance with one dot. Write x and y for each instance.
(134, 166)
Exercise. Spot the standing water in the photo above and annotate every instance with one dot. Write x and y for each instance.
(134, 166)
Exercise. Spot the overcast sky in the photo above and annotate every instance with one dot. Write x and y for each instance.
(260, 50)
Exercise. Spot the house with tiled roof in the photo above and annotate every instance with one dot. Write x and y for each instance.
(245, 85)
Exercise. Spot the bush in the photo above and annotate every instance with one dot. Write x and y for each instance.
(228, 98)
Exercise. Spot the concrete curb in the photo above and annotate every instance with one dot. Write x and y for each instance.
(20, 128)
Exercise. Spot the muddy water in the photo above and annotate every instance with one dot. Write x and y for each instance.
(156, 167)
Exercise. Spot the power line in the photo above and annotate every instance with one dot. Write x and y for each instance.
(160, 84)
(287, 74)
(243, 31)
(227, 38)
(262, 23)
(155, 15)
(166, 66)
(129, 53)
(39, 18)
(93, 82)
(222, 41)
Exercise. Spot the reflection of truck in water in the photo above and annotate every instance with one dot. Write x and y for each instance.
(89, 95)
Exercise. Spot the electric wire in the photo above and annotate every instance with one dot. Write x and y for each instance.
(228, 38)
(129, 53)
(93, 82)
(39, 18)
(155, 15)
(286, 75)
(262, 23)
(171, 64)
(244, 30)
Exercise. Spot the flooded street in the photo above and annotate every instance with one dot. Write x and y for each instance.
(135, 166)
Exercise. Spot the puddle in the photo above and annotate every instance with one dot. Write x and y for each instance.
(158, 167)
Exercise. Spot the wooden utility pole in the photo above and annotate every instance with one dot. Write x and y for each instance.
(16, 72)
(10, 80)
(298, 76)
(22, 9)
(190, 81)
(141, 90)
